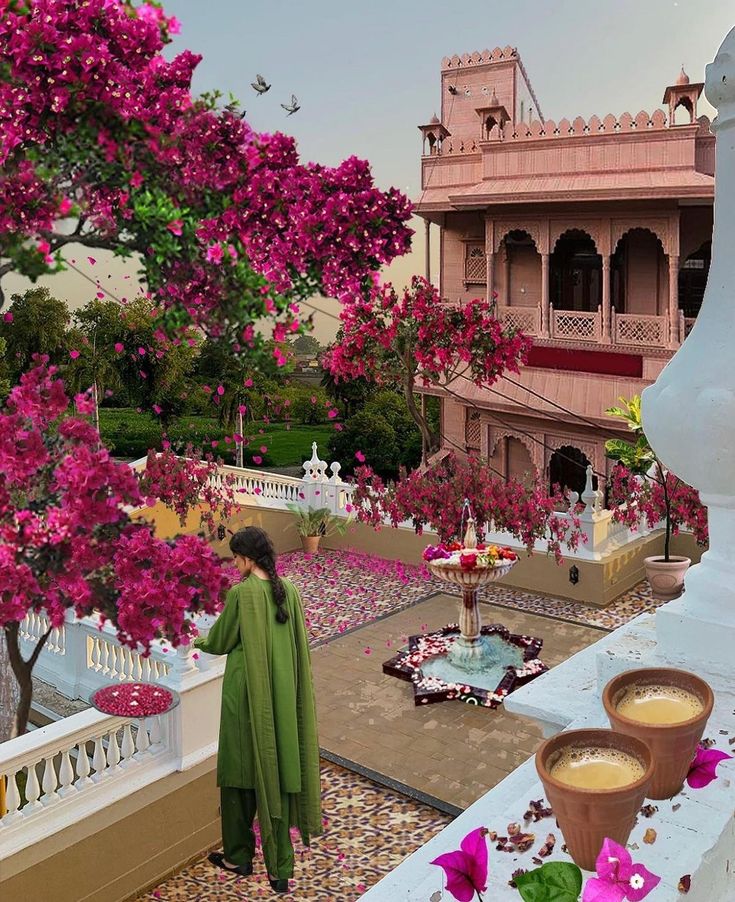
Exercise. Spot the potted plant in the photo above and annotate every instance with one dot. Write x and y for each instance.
(313, 523)
(642, 489)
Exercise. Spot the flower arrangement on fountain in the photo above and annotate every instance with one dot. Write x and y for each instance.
(453, 554)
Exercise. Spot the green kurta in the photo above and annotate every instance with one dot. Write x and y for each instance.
(268, 733)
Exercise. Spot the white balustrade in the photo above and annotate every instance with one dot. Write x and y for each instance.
(59, 755)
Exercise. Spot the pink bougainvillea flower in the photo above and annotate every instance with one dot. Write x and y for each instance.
(359, 456)
(248, 383)
(332, 413)
(65, 206)
(466, 869)
(92, 261)
(257, 460)
(141, 351)
(214, 253)
(156, 409)
(176, 226)
(220, 390)
(8, 317)
(101, 295)
(74, 354)
(618, 878)
(119, 347)
(263, 449)
(367, 650)
(313, 399)
(703, 769)
(242, 409)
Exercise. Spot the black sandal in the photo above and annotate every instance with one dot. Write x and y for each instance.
(218, 860)
(278, 886)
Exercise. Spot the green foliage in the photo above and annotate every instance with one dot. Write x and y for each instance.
(301, 409)
(306, 344)
(637, 456)
(312, 521)
(555, 881)
(4, 372)
(374, 437)
(39, 326)
(149, 378)
(385, 432)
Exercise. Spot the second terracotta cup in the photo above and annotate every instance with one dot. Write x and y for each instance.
(587, 817)
(673, 745)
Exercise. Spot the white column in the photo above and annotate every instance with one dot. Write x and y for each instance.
(689, 414)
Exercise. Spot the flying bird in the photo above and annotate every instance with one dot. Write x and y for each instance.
(294, 105)
(453, 90)
(260, 85)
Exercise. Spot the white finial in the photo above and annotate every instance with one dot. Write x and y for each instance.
(719, 82)
(589, 495)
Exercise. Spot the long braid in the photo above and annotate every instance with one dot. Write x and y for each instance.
(255, 543)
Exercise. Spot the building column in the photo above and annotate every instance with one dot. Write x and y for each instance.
(545, 276)
(606, 337)
(674, 337)
(507, 276)
(427, 243)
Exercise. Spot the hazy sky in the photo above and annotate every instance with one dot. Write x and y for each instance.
(366, 74)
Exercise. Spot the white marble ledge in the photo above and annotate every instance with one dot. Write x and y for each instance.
(697, 839)
(570, 690)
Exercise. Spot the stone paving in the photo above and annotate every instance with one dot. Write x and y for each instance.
(371, 828)
(458, 751)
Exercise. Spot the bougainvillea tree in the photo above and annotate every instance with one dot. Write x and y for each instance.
(433, 498)
(642, 490)
(413, 339)
(67, 541)
(103, 144)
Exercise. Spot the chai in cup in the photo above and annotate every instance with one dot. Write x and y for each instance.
(595, 781)
(596, 767)
(659, 704)
(668, 709)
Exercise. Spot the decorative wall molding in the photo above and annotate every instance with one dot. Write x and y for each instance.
(531, 226)
(535, 450)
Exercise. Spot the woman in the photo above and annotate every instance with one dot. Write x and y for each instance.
(268, 760)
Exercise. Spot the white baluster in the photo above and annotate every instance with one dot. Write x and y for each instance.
(94, 652)
(83, 768)
(142, 741)
(33, 790)
(99, 762)
(66, 775)
(50, 782)
(12, 800)
(113, 750)
(128, 746)
(156, 735)
(145, 669)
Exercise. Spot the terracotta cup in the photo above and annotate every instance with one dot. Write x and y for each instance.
(673, 745)
(587, 816)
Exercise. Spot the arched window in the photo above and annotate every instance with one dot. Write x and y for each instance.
(576, 273)
(568, 469)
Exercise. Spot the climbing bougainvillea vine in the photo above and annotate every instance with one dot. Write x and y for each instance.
(102, 143)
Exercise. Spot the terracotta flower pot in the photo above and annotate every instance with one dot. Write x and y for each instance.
(666, 577)
(310, 544)
(673, 745)
(587, 816)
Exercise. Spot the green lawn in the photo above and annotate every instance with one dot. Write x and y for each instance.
(130, 434)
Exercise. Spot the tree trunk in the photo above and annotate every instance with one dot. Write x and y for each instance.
(430, 441)
(9, 695)
(23, 671)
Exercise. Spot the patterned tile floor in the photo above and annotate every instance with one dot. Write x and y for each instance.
(370, 829)
(345, 590)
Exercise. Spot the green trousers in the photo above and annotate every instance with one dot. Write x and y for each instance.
(238, 811)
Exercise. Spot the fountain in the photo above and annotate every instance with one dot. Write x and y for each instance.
(468, 661)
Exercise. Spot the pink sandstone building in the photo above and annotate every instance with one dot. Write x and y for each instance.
(594, 237)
